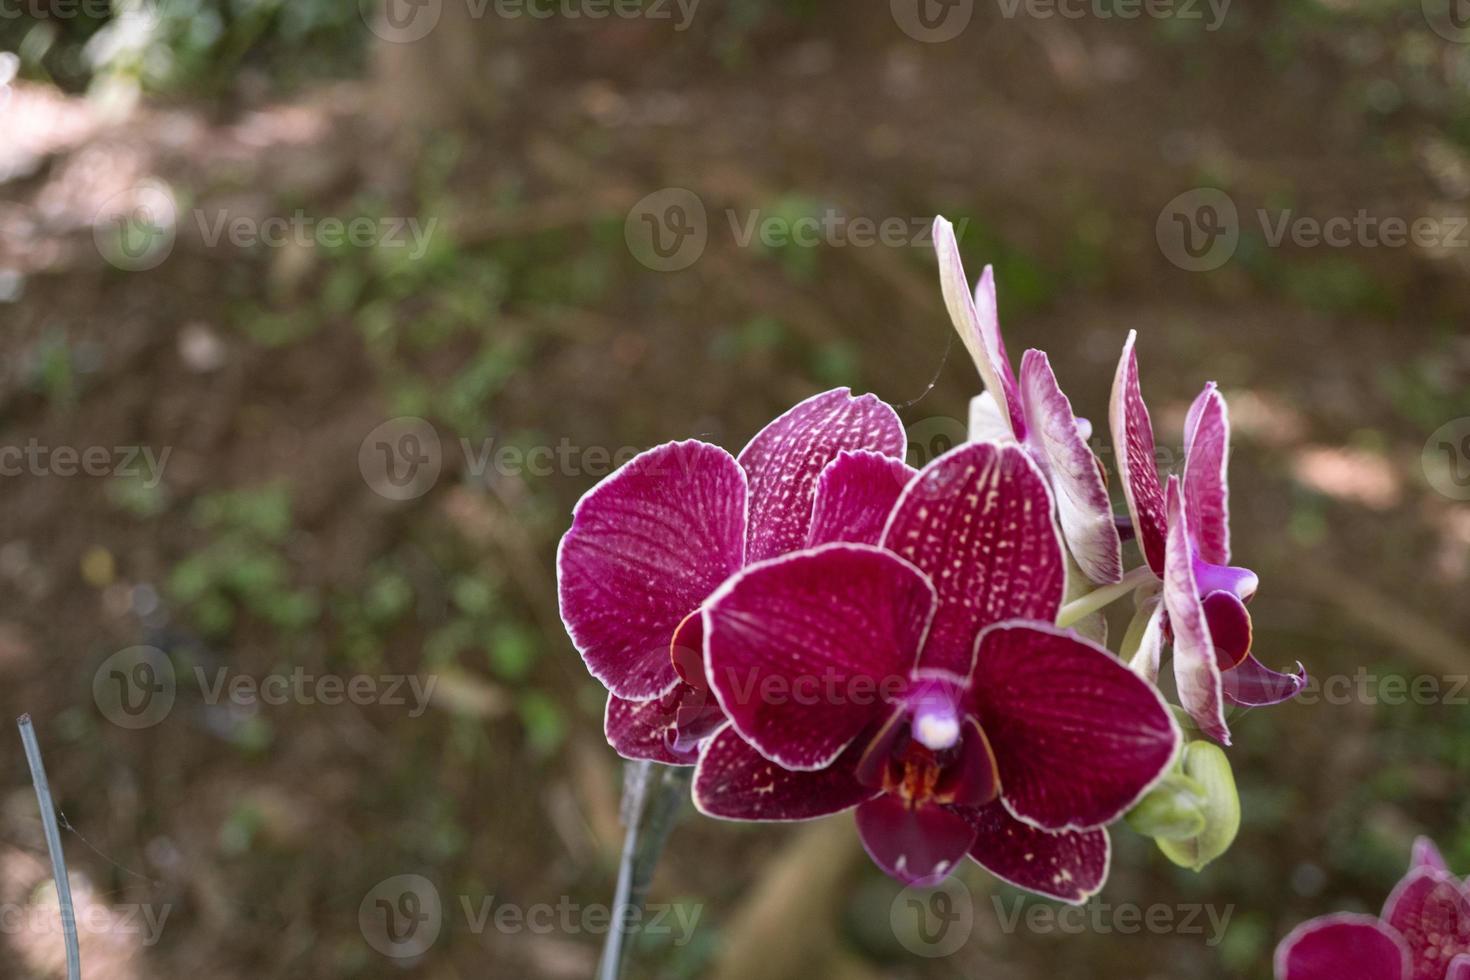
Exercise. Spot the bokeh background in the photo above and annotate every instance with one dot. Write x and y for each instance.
(259, 502)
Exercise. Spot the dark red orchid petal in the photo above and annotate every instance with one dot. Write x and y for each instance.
(1083, 508)
(647, 729)
(978, 521)
(646, 547)
(1206, 484)
(854, 496)
(1426, 855)
(918, 845)
(1078, 737)
(735, 782)
(785, 459)
(1251, 684)
(971, 777)
(880, 748)
(976, 317)
(697, 717)
(1196, 669)
(686, 651)
(1230, 627)
(1071, 866)
(1339, 947)
(804, 650)
(1431, 911)
(1133, 442)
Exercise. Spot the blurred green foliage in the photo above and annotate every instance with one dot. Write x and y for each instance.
(168, 45)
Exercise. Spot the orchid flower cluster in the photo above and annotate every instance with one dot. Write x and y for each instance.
(1423, 933)
(815, 626)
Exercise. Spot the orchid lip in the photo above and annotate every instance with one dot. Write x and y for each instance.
(1241, 582)
(935, 714)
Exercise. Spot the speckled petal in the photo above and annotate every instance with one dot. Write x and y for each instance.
(646, 547)
(978, 521)
(1070, 866)
(785, 459)
(1133, 446)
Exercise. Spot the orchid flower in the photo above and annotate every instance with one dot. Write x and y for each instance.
(649, 544)
(1033, 411)
(1423, 933)
(1184, 534)
(922, 681)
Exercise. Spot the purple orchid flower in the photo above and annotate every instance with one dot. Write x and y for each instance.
(1033, 411)
(1184, 534)
(1423, 933)
(649, 544)
(922, 681)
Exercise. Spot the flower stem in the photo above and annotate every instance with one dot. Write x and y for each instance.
(1107, 594)
(53, 844)
(652, 797)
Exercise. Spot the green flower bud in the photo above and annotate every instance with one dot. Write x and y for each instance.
(1207, 766)
(1172, 810)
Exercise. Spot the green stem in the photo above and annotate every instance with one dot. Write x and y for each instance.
(652, 796)
(1086, 605)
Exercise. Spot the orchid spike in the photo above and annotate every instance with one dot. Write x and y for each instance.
(1184, 535)
(1422, 934)
(922, 681)
(648, 546)
(1033, 411)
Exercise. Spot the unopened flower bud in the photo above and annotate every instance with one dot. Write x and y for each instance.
(1172, 810)
(1208, 768)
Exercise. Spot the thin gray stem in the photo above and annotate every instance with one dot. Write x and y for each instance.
(652, 797)
(53, 844)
